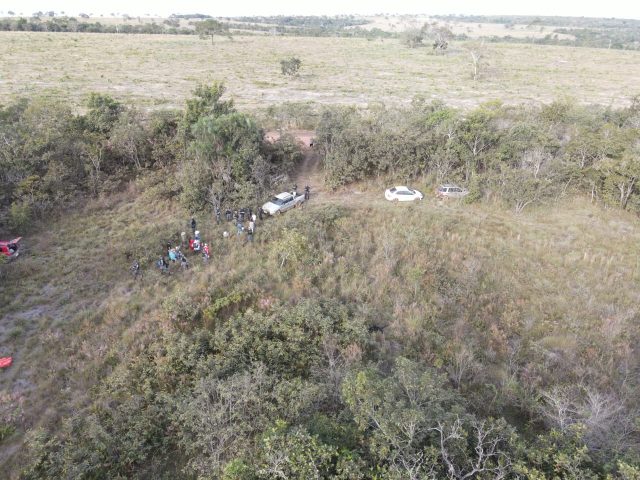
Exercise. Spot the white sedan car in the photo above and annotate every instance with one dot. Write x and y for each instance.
(402, 194)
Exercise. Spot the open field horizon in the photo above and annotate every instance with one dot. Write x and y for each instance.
(160, 71)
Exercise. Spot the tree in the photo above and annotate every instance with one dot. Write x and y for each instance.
(103, 112)
(477, 134)
(478, 55)
(522, 188)
(221, 154)
(220, 417)
(290, 66)
(478, 449)
(620, 177)
(439, 35)
(209, 28)
(129, 138)
(413, 37)
(400, 411)
(291, 250)
(294, 454)
(206, 101)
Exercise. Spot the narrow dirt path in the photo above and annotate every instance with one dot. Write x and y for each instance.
(309, 171)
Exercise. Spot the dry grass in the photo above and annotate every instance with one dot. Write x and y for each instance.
(158, 71)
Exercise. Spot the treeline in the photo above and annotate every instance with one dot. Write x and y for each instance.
(521, 154)
(292, 26)
(620, 40)
(310, 26)
(71, 24)
(587, 32)
(310, 22)
(213, 154)
(531, 20)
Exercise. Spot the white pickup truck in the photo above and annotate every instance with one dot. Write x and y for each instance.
(283, 202)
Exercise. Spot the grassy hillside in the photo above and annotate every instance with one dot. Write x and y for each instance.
(158, 71)
(514, 304)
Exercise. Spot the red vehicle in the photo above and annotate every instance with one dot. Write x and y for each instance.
(10, 248)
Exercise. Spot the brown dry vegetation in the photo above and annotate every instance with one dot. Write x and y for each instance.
(160, 71)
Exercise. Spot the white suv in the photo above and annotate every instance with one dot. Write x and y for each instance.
(449, 190)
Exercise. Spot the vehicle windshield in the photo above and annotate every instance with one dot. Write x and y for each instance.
(277, 201)
(392, 190)
(406, 192)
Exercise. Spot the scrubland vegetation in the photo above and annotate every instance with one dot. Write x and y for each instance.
(494, 337)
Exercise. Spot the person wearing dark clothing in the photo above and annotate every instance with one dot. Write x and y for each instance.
(217, 216)
(135, 269)
(260, 213)
(241, 215)
(306, 192)
(228, 215)
(249, 213)
(250, 235)
(163, 265)
(193, 225)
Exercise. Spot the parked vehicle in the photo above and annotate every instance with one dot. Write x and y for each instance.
(9, 248)
(448, 190)
(283, 202)
(402, 194)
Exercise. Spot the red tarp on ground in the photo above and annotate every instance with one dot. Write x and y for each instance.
(6, 362)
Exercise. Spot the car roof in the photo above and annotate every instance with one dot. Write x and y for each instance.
(449, 185)
(283, 195)
(402, 187)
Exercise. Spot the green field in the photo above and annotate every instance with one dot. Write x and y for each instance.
(160, 71)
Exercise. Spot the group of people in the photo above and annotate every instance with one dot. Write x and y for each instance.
(195, 244)
(239, 216)
(175, 254)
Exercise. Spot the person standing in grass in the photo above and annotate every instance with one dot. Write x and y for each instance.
(163, 265)
(135, 269)
(193, 225)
